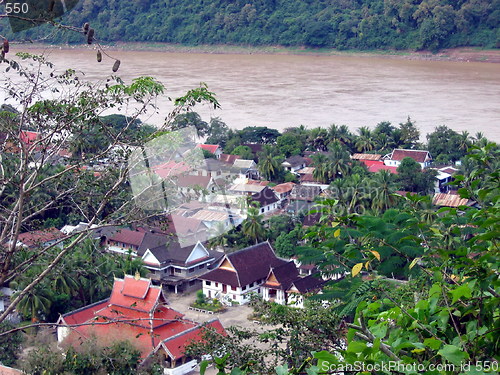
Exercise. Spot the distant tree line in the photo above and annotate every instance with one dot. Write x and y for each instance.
(343, 24)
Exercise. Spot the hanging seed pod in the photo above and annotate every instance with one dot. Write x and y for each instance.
(5, 46)
(116, 65)
(52, 3)
(90, 36)
(99, 56)
(86, 28)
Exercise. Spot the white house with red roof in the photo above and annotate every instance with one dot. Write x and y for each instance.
(137, 311)
(282, 191)
(213, 149)
(394, 159)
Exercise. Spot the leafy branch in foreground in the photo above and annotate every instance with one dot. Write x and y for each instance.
(42, 179)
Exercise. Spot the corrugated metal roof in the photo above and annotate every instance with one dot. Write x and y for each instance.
(450, 200)
(366, 156)
(207, 215)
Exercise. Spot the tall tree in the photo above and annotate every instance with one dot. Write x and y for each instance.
(253, 226)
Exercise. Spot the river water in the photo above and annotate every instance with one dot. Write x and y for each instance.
(280, 91)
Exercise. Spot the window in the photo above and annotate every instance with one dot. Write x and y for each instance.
(216, 285)
(233, 288)
(244, 288)
(208, 283)
(191, 270)
(201, 266)
(177, 270)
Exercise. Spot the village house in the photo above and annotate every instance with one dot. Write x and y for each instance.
(374, 166)
(256, 269)
(171, 262)
(228, 158)
(246, 168)
(40, 238)
(302, 198)
(294, 163)
(241, 273)
(177, 268)
(195, 186)
(137, 311)
(420, 156)
(214, 168)
(443, 177)
(187, 229)
(283, 191)
(213, 149)
(267, 200)
(242, 187)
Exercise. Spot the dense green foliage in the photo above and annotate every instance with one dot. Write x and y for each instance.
(346, 24)
(10, 345)
(420, 292)
(121, 358)
(85, 276)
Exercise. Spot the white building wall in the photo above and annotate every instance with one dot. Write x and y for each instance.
(186, 368)
(214, 290)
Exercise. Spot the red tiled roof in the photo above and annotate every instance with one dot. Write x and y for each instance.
(85, 313)
(171, 168)
(375, 166)
(257, 182)
(283, 188)
(449, 170)
(419, 156)
(176, 345)
(129, 237)
(162, 315)
(209, 148)
(136, 288)
(145, 304)
(28, 137)
(229, 159)
(39, 237)
(119, 319)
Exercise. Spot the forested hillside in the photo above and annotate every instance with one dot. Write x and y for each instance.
(342, 24)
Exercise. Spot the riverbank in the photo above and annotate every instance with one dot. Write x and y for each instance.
(464, 54)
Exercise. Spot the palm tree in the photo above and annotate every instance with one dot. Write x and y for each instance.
(268, 165)
(340, 160)
(464, 141)
(321, 168)
(34, 303)
(217, 236)
(253, 226)
(318, 138)
(383, 190)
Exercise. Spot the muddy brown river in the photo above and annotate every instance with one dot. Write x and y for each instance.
(280, 91)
